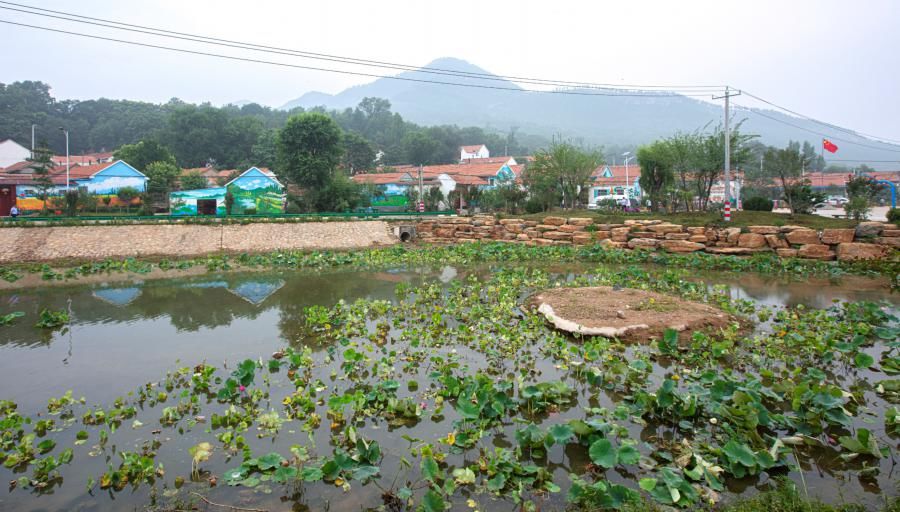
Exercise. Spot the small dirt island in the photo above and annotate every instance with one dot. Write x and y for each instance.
(624, 313)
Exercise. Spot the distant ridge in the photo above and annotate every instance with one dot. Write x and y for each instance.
(622, 120)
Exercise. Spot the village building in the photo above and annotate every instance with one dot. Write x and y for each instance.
(86, 159)
(474, 151)
(255, 192)
(103, 180)
(614, 183)
(12, 152)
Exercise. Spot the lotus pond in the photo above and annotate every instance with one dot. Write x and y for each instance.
(422, 386)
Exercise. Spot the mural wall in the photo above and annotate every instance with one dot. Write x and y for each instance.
(105, 184)
(184, 202)
(253, 191)
(391, 195)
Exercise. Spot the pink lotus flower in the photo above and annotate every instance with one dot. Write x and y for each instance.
(241, 388)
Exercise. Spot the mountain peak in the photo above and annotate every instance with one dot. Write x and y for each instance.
(454, 64)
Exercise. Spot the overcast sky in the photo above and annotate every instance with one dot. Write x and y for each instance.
(834, 60)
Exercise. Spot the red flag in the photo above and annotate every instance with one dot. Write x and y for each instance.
(829, 146)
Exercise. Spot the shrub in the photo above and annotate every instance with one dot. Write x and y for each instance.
(758, 204)
(857, 208)
(893, 215)
(533, 205)
(292, 207)
(249, 211)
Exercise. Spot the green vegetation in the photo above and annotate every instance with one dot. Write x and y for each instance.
(682, 418)
(461, 254)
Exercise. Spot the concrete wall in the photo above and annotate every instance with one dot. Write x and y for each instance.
(870, 240)
(101, 242)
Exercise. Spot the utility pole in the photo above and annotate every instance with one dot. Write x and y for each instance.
(421, 191)
(32, 142)
(728, 94)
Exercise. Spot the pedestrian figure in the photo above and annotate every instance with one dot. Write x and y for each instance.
(14, 212)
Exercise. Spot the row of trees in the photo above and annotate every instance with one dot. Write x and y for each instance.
(231, 136)
(679, 172)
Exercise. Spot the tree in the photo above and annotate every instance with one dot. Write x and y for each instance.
(127, 194)
(264, 153)
(161, 179)
(569, 166)
(339, 195)
(43, 183)
(309, 150)
(359, 155)
(656, 171)
(861, 192)
(542, 185)
(419, 148)
(193, 181)
(144, 153)
(786, 166)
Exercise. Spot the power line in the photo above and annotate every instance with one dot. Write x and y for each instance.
(335, 58)
(355, 73)
(756, 112)
(798, 114)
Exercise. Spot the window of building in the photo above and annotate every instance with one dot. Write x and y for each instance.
(619, 191)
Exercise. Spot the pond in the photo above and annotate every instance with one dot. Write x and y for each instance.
(425, 365)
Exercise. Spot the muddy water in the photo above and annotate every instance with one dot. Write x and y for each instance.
(127, 333)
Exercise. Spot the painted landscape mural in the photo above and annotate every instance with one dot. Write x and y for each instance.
(254, 192)
(391, 195)
(105, 185)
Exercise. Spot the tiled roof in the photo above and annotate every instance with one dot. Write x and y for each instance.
(88, 159)
(384, 178)
(81, 171)
(472, 149)
(490, 160)
(468, 180)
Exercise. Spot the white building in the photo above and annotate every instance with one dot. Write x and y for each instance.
(11, 153)
(614, 183)
(476, 151)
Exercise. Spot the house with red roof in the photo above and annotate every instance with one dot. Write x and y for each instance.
(474, 151)
(614, 182)
(86, 159)
(104, 180)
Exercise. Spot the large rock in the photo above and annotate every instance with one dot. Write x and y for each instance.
(735, 251)
(889, 242)
(557, 235)
(581, 221)
(786, 253)
(661, 229)
(610, 244)
(643, 243)
(545, 227)
(701, 239)
(569, 228)
(554, 221)
(815, 252)
(511, 221)
(869, 229)
(582, 239)
(776, 242)
(860, 251)
(751, 240)
(678, 236)
(763, 230)
(731, 235)
(680, 246)
(833, 236)
(696, 230)
(619, 234)
(891, 233)
(803, 237)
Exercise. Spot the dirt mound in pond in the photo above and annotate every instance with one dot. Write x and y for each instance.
(624, 312)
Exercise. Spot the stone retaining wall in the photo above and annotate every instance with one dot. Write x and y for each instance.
(869, 240)
(101, 242)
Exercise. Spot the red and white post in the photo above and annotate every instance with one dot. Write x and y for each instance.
(727, 211)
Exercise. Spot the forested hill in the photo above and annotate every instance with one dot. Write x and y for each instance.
(230, 136)
(607, 120)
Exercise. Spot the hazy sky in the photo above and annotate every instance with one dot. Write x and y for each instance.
(835, 60)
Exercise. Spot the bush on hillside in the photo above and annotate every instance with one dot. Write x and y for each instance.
(758, 204)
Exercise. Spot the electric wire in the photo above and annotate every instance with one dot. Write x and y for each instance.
(709, 89)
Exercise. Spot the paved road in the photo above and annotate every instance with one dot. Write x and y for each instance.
(878, 213)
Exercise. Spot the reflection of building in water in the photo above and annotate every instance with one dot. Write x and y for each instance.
(256, 292)
(448, 274)
(118, 296)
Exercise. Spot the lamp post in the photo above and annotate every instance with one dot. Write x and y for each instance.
(67, 156)
(628, 157)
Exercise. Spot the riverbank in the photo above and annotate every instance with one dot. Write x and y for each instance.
(92, 243)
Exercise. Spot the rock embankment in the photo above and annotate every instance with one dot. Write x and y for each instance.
(870, 240)
(101, 242)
